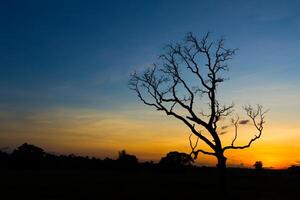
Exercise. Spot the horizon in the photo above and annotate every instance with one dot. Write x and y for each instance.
(10, 150)
(65, 66)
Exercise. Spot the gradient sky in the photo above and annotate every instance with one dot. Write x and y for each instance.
(64, 67)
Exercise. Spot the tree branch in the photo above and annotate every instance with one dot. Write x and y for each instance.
(196, 152)
(253, 114)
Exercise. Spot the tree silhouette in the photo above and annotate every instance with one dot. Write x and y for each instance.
(184, 82)
(258, 165)
(29, 155)
(127, 160)
(29, 150)
(176, 159)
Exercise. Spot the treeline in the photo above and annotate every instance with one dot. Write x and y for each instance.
(28, 156)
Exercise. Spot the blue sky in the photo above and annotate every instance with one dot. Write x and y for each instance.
(62, 53)
(79, 54)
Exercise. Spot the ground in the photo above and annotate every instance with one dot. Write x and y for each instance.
(56, 184)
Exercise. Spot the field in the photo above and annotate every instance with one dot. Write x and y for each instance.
(145, 184)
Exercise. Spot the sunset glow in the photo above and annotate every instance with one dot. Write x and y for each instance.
(64, 74)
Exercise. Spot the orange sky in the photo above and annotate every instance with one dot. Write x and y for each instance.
(145, 133)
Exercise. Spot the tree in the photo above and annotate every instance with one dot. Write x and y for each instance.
(28, 155)
(176, 159)
(184, 82)
(258, 165)
(29, 151)
(127, 160)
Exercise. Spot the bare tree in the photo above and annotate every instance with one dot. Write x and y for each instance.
(184, 85)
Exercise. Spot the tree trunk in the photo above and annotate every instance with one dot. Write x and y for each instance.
(222, 175)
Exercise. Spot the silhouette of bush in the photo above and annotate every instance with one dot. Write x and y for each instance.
(294, 170)
(149, 165)
(127, 160)
(176, 159)
(258, 165)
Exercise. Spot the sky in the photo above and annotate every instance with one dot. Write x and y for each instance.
(65, 65)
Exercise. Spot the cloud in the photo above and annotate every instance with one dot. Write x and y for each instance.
(222, 132)
(224, 127)
(245, 121)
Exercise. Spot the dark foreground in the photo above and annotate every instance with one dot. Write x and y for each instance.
(145, 184)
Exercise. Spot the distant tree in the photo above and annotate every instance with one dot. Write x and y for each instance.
(294, 169)
(258, 165)
(176, 159)
(127, 160)
(29, 151)
(28, 155)
(184, 82)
